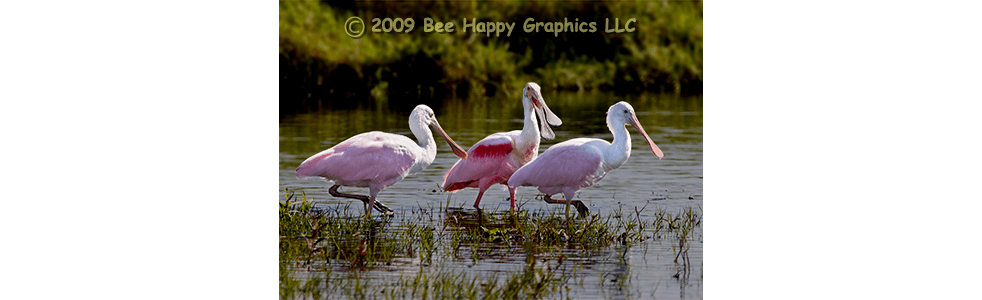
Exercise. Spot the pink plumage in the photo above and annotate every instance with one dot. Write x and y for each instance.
(493, 159)
(377, 160)
(582, 162)
(497, 145)
(371, 158)
(490, 161)
(566, 166)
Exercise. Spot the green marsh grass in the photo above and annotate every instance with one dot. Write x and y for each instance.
(443, 252)
(321, 65)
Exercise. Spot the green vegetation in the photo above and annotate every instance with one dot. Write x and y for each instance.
(320, 64)
(421, 254)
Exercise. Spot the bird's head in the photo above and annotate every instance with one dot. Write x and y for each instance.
(622, 113)
(531, 96)
(424, 115)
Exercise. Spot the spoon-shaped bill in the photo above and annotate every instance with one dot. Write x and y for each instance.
(545, 130)
(550, 118)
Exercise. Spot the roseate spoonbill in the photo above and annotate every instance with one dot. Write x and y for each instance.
(581, 162)
(377, 160)
(496, 157)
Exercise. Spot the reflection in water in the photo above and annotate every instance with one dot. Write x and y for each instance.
(657, 267)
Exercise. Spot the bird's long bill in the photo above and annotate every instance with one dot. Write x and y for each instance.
(546, 131)
(453, 146)
(551, 118)
(654, 148)
(545, 115)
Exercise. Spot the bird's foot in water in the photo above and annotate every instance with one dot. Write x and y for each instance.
(385, 210)
(580, 207)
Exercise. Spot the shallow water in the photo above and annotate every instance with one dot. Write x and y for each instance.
(644, 270)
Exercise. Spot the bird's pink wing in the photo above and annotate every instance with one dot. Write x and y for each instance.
(365, 157)
(564, 166)
(484, 159)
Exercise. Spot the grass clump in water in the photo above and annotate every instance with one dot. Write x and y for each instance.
(437, 252)
(296, 218)
(550, 229)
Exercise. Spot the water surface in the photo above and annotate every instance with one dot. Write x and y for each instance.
(671, 183)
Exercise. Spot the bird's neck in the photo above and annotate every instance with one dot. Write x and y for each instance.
(425, 138)
(530, 131)
(620, 147)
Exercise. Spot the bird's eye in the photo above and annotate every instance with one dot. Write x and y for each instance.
(625, 111)
(431, 115)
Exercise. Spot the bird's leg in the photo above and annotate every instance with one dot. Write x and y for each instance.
(569, 198)
(378, 205)
(478, 201)
(580, 207)
(511, 192)
(382, 208)
(482, 186)
(334, 192)
(374, 203)
(548, 199)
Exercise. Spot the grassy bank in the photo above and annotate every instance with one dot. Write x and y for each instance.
(436, 252)
(321, 65)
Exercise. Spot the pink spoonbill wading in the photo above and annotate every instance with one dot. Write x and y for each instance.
(377, 160)
(582, 162)
(493, 159)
